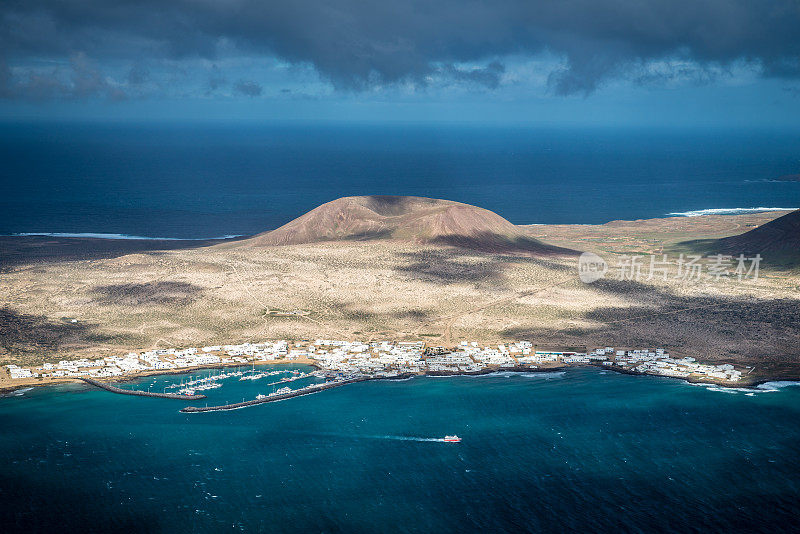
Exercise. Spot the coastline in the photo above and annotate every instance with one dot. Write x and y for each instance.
(130, 297)
(26, 383)
(6, 390)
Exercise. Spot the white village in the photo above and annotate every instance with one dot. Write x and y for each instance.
(376, 359)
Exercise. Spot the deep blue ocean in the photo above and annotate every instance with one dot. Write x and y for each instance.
(576, 451)
(582, 450)
(208, 180)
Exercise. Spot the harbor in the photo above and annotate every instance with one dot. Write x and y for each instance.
(138, 393)
(353, 360)
(281, 394)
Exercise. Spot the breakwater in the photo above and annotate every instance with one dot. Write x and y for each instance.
(114, 389)
(273, 398)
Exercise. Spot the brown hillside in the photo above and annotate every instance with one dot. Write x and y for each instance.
(417, 219)
(777, 240)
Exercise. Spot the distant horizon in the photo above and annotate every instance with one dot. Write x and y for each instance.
(791, 128)
(95, 235)
(782, 122)
(590, 182)
(189, 181)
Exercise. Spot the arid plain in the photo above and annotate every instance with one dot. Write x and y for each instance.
(66, 297)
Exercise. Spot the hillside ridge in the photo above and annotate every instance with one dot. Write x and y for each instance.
(777, 240)
(406, 218)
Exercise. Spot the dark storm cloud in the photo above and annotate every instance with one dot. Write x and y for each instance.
(79, 78)
(488, 76)
(86, 78)
(356, 43)
(5, 79)
(216, 79)
(248, 88)
(138, 74)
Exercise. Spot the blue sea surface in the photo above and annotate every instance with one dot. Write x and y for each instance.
(579, 450)
(210, 180)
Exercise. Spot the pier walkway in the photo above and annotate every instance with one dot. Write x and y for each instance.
(273, 398)
(114, 389)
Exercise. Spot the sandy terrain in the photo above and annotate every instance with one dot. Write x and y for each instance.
(91, 304)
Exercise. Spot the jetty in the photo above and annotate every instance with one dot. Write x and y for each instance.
(272, 398)
(114, 389)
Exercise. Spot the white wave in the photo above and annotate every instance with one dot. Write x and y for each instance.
(766, 387)
(724, 389)
(725, 211)
(721, 389)
(776, 385)
(746, 391)
(119, 236)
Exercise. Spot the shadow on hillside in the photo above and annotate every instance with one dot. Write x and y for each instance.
(704, 326)
(701, 247)
(497, 243)
(367, 236)
(457, 265)
(21, 332)
(780, 260)
(362, 317)
(391, 206)
(165, 293)
(447, 267)
(18, 251)
(356, 312)
(359, 315)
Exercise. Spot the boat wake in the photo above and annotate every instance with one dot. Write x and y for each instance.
(410, 438)
(446, 439)
(402, 438)
(391, 437)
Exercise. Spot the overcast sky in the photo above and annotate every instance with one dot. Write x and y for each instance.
(648, 62)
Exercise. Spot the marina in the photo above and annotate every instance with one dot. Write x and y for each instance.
(137, 393)
(281, 394)
(343, 362)
(213, 381)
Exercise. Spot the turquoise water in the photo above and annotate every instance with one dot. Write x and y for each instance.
(584, 450)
